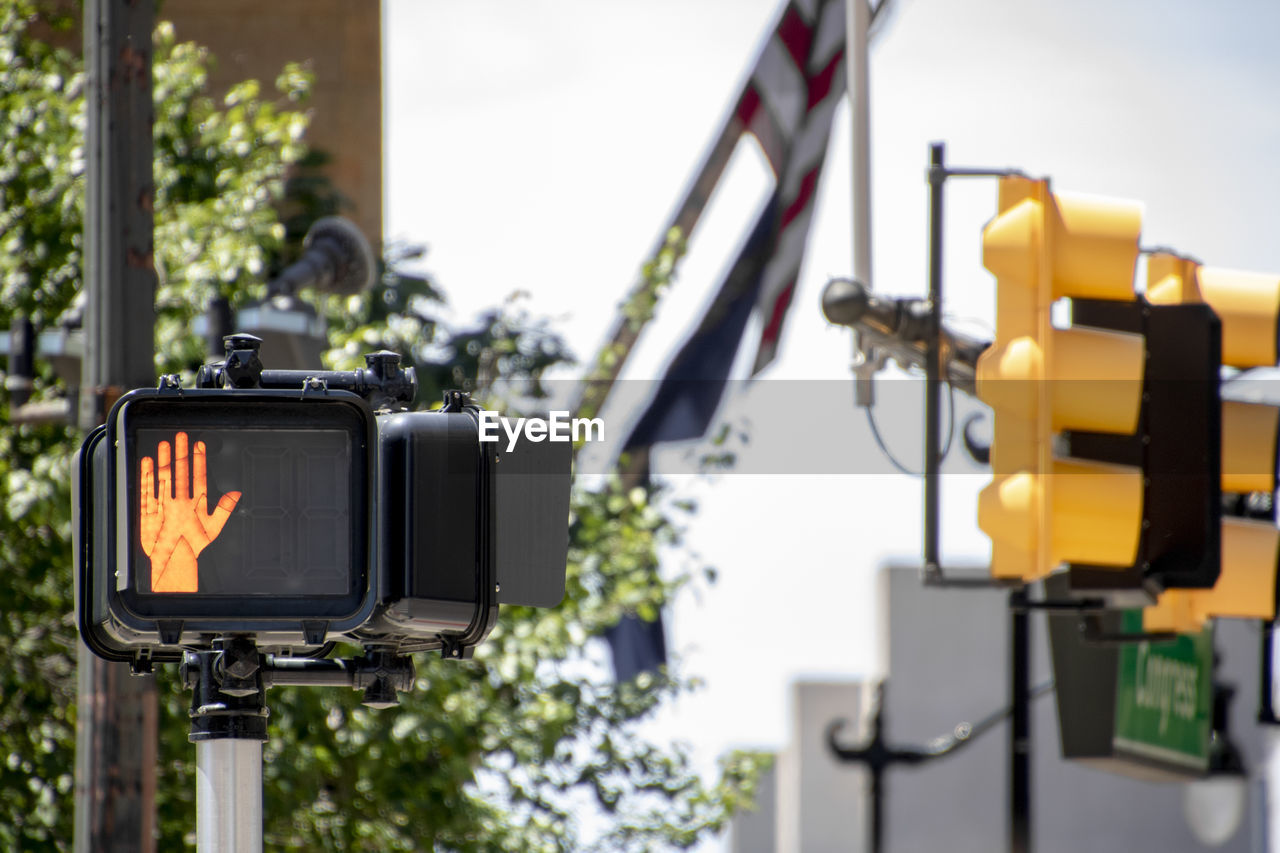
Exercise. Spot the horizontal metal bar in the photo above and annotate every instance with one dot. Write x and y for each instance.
(309, 672)
(1068, 605)
(950, 172)
(313, 672)
(971, 577)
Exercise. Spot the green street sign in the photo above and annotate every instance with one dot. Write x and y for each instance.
(1164, 698)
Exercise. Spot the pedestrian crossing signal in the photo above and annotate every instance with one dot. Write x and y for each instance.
(226, 511)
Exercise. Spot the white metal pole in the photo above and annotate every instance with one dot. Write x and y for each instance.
(1270, 822)
(857, 22)
(1271, 771)
(229, 796)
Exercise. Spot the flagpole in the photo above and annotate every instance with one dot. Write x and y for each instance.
(639, 306)
(858, 21)
(857, 79)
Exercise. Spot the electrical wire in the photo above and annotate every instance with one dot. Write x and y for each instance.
(967, 732)
(884, 448)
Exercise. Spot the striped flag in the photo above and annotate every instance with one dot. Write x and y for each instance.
(787, 104)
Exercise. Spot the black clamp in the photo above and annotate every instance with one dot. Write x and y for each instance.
(240, 368)
(382, 381)
(228, 697)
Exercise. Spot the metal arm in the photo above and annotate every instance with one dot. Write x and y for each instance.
(875, 751)
(899, 328)
(877, 755)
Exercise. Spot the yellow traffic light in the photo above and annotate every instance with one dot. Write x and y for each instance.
(1246, 589)
(1248, 446)
(1040, 511)
(1248, 305)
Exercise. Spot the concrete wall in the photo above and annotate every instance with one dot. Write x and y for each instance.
(948, 663)
(753, 832)
(809, 802)
(821, 803)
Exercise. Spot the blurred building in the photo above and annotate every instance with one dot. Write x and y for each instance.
(341, 42)
(945, 655)
(809, 801)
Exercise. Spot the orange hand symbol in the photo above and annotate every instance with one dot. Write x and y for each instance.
(177, 527)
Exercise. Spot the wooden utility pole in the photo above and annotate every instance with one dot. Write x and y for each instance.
(116, 736)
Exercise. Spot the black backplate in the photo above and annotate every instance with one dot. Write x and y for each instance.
(1178, 446)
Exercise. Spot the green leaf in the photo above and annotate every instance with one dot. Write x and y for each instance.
(490, 754)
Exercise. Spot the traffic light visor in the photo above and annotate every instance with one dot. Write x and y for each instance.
(1248, 304)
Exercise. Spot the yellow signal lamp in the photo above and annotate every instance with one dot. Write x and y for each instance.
(1040, 511)
(1249, 435)
(1247, 303)
(1172, 279)
(1246, 589)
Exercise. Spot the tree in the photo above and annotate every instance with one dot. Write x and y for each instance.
(529, 746)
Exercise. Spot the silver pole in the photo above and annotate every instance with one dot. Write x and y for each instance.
(1271, 760)
(229, 796)
(857, 22)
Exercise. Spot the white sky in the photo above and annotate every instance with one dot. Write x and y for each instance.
(542, 144)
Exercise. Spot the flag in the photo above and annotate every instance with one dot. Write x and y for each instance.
(787, 104)
(636, 646)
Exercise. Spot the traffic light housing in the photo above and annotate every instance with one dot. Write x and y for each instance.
(1041, 510)
(299, 508)
(1248, 305)
(1175, 446)
(448, 500)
